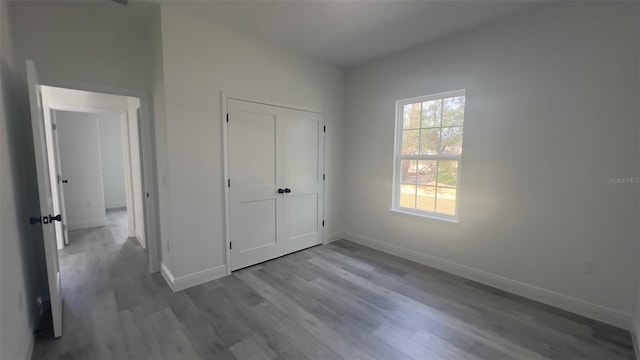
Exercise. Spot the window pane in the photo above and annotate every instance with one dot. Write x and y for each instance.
(431, 113)
(427, 170)
(408, 196)
(451, 143)
(430, 141)
(408, 168)
(446, 203)
(453, 111)
(410, 142)
(426, 199)
(448, 173)
(411, 116)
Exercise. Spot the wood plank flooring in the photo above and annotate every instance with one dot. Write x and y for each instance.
(337, 301)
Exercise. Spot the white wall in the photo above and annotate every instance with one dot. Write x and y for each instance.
(551, 113)
(161, 180)
(75, 55)
(80, 162)
(200, 59)
(22, 266)
(112, 156)
(98, 42)
(636, 317)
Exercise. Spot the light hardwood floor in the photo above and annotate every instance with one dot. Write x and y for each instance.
(334, 301)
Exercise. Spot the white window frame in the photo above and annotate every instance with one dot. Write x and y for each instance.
(397, 157)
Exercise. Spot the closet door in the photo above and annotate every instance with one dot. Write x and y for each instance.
(255, 173)
(303, 140)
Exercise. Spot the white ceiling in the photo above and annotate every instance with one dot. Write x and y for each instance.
(346, 33)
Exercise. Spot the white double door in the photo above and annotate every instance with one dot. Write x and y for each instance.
(275, 167)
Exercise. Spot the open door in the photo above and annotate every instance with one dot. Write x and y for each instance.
(45, 188)
(58, 181)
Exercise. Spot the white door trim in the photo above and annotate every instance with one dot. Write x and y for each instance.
(148, 154)
(224, 96)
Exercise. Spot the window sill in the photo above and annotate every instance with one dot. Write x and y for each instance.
(424, 215)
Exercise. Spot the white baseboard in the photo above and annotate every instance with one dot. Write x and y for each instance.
(565, 302)
(141, 241)
(193, 279)
(28, 352)
(119, 205)
(635, 334)
(335, 236)
(87, 224)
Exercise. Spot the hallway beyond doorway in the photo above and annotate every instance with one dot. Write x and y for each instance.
(103, 271)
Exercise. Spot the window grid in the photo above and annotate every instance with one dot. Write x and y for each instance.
(420, 155)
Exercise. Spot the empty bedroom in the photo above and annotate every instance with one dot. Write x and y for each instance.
(320, 179)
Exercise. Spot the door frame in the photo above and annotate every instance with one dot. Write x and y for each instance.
(148, 159)
(224, 97)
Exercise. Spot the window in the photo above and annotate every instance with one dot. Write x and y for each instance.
(427, 154)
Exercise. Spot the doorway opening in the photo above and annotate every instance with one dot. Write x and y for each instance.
(95, 157)
(107, 257)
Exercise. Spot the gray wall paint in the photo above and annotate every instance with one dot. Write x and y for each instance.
(551, 114)
(22, 264)
(95, 42)
(509, 68)
(200, 59)
(160, 136)
(111, 151)
(636, 315)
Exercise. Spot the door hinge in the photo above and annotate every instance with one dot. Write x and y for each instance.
(227, 117)
(230, 245)
(322, 222)
(324, 176)
(228, 182)
(325, 129)
(58, 179)
(54, 126)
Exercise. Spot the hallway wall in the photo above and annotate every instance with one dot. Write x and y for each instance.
(113, 161)
(23, 279)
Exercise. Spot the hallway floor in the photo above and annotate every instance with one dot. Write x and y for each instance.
(340, 300)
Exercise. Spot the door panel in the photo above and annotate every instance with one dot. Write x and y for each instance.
(272, 148)
(304, 221)
(253, 149)
(60, 182)
(81, 164)
(257, 228)
(302, 144)
(255, 168)
(40, 134)
(303, 169)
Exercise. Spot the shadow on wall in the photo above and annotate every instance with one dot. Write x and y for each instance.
(21, 160)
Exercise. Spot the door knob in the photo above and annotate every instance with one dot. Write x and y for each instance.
(281, 191)
(65, 181)
(35, 220)
(57, 218)
(287, 190)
